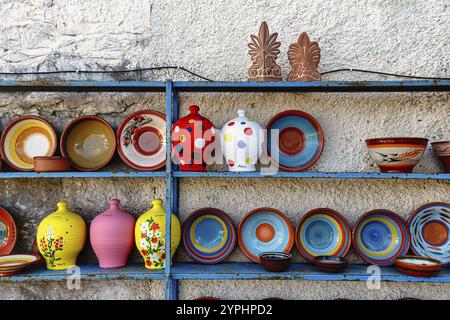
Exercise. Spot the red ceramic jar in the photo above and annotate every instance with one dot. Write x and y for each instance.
(192, 136)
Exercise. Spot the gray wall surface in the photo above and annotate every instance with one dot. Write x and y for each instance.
(210, 37)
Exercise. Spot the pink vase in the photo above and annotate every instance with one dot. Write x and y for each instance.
(112, 236)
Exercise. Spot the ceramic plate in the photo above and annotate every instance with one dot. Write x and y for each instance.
(380, 236)
(8, 233)
(141, 140)
(25, 138)
(323, 232)
(429, 226)
(13, 264)
(89, 142)
(300, 140)
(209, 235)
(265, 230)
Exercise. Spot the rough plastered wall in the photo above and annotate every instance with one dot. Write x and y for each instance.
(210, 37)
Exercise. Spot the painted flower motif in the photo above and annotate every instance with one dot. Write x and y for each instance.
(50, 245)
(158, 234)
(150, 234)
(132, 126)
(153, 245)
(144, 243)
(155, 226)
(144, 227)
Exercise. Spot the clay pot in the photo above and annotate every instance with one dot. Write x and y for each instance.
(61, 237)
(51, 164)
(417, 266)
(275, 261)
(150, 235)
(332, 264)
(111, 236)
(242, 142)
(442, 150)
(191, 136)
(396, 155)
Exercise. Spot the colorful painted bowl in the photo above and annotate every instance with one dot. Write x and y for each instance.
(294, 140)
(265, 230)
(323, 232)
(208, 235)
(429, 226)
(8, 233)
(13, 264)
(380, 236)
(330, 264)
(25, 138)
(141, 140)
(89, 141)
(396, 155)
(442, 150)
(51, 164)
(275, 261)
(418, 266)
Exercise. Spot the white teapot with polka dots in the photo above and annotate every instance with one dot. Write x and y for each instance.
(242, 142)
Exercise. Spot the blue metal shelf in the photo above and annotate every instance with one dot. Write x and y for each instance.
(223, 271)
(82, 86)
(312, 175)
(319, 86)
(74, 174)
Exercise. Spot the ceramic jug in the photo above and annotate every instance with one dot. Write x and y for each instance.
(191, 136)
(242, 142)
(61, 237)
(150, 235)
(111, 236)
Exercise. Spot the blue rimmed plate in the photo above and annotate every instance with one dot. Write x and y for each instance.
(323, 232)
(297, 142)
(429, 226)
(208, 235)
(380, 236)
(265, 230)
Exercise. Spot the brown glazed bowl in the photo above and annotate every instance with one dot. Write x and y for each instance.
(398, 154)
(441, 149)
(417, 266)
(275, 261)
(51, 164)
(333, 264)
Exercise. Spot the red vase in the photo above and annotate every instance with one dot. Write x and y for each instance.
(192, 138)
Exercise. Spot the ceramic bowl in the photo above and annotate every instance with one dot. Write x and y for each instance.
(25, 138)
(380, 236)
(275, 261)
(331, 264)
(323, 232)
(429, 226)
(265, 230)
(418, 266)
(89, 142)
(295, 140)
(8, 232)
(396, 155)
(51, 164)
(208, 235)
(14, 264)
(441, 149)
(141, 140)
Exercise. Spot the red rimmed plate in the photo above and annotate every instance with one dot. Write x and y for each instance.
(8, 233)
(14, 264)
(265, 230)
(141, 140)
(323, 232)
(299, 143)
(25, 138)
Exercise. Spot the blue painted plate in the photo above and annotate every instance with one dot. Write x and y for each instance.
(265, 230)
(298, 142)
(208, 235)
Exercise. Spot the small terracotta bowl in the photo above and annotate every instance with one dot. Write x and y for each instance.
(441, 149)
(275, 261)
(396, 155)
(331, 264)
(51, 164)
(418, 266)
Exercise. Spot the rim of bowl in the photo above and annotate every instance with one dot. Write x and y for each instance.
(323, 259)
(395, 140)
(268, 255)
(402, 259)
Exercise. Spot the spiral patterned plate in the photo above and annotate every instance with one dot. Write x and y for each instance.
(323, 232)
(265, 230)
(379, 236)
(208, 235)
(429, 226)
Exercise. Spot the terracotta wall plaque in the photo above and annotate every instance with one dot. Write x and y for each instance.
(304, 56)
